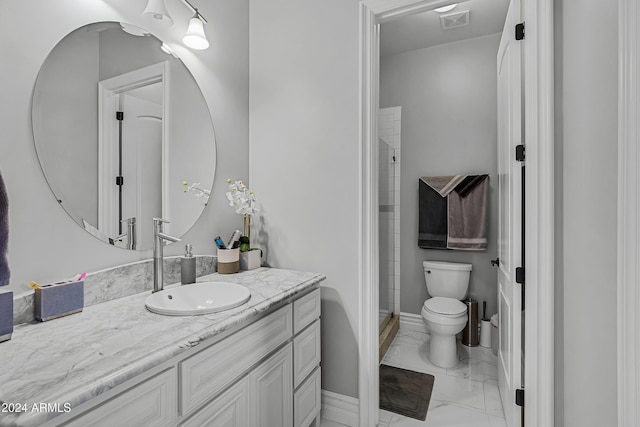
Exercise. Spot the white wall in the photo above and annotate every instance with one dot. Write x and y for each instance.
(448, 95)
(44, 244)
(304, 158)
(586, 151)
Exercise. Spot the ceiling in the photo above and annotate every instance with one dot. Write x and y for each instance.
(422, 30)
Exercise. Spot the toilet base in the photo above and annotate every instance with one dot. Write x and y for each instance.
(443, 351)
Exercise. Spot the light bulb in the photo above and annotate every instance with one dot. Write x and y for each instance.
(195, 37)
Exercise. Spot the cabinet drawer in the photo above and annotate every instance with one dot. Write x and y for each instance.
(306, 401)
(306, 352)
(306, 310)
(153, 402)
(209, 371)
(231, 409)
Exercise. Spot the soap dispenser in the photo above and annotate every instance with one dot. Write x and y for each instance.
(188, 267)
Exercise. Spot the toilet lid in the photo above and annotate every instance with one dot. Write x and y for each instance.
(447, 306)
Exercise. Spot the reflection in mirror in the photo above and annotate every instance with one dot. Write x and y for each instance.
(119, 126)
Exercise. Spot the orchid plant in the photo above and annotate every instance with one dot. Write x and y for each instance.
(197, 191)
(244, 202)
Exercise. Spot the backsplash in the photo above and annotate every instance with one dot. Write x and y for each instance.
(118, 282)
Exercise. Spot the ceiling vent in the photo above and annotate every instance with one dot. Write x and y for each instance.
(454, 20)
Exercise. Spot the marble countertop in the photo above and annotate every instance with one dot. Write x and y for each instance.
(73, 359)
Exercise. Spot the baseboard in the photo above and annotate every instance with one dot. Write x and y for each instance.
(381, 315)
(412, 322)
(387, 334)
(340, 408)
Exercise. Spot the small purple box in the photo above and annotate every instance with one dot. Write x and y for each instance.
(58, 299)
(6, 315)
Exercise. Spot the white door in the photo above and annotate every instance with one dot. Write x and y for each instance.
(510, 219)
(141, 163)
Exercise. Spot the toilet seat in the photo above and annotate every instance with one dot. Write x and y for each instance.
(445, 307)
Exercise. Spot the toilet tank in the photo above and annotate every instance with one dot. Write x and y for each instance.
(447, 279)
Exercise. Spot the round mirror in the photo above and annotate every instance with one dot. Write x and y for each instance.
(123, 134)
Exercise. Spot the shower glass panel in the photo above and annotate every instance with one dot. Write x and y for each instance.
(389, 210)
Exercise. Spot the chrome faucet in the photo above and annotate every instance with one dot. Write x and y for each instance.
(158, 242)
(130, 235)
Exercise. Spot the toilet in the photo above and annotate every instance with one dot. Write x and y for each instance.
(444, 314)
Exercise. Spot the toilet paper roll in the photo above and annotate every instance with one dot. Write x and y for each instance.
(485, 333)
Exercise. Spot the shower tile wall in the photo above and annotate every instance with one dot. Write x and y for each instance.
(389, 194)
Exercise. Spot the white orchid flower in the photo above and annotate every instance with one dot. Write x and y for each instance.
(197, 191)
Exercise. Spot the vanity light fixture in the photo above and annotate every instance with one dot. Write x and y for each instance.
(446, 8)
(157, 10)
(167, 49)
(195, 38)
(133, 30)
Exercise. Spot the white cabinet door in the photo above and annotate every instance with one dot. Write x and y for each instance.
(229, 410)
(271, 391)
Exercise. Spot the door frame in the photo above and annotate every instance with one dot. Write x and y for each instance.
(539, 204)
(109, 91)
(628, 276)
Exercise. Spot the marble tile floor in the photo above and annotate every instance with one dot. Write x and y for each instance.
(466, 395)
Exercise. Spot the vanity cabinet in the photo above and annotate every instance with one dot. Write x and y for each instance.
(264, 375)
(209, 371)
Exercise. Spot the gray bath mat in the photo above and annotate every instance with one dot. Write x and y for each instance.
(405, 392)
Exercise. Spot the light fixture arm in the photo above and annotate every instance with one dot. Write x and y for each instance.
(195, 11)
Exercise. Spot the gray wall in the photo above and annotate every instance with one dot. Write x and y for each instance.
(304, 159)
(44, 244)
(586, 185)
(448, 96)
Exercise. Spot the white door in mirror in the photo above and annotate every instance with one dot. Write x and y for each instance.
(199, 298)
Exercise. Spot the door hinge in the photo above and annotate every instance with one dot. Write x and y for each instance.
(520, 155)
(119, 115)
(520, 397)
(119, 180)
(520, 275)
(520, 31)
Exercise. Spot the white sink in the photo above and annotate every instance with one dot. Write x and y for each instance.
(198, 298)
